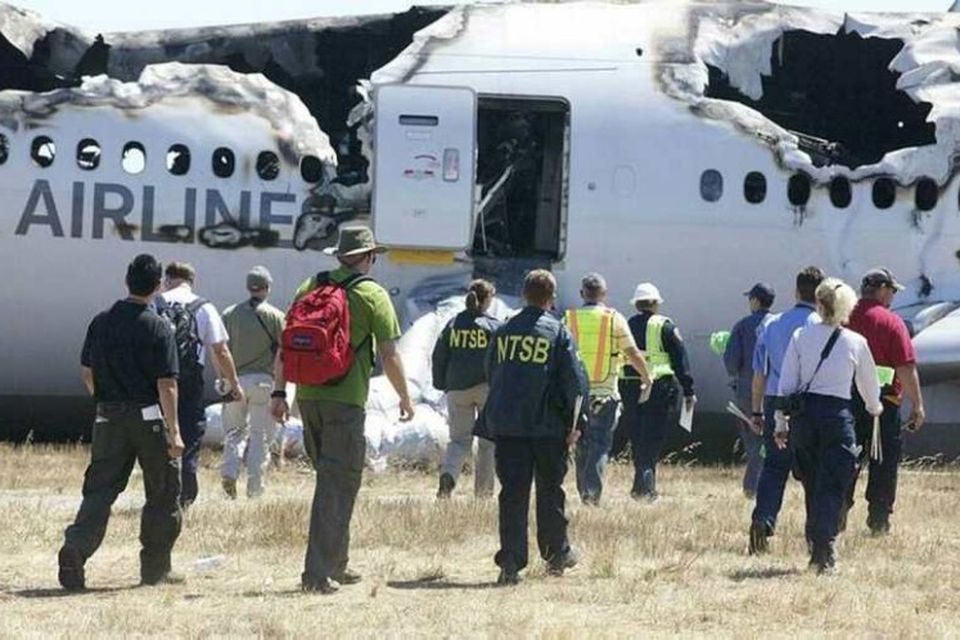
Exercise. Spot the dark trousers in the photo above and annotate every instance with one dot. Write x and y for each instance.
(519, 461)
(193, 425)
(120, 438)
(594, 447)
(777, 464)
(334, 440)
(882, 482)
(826, 451)
(647, 428)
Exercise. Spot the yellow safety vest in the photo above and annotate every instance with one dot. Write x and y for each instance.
(658, 360)
(592, 328)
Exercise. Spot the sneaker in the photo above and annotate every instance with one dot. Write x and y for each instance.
(325, 586)
(166, 578)
(348, 577)
(758, 538)
(71, 574)
(447, 483)
(230, 487)
(568, 560)
(508, 578)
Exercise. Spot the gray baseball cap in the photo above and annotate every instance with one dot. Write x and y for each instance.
(259, 278)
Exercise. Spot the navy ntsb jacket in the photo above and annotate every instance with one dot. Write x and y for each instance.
(460, 351)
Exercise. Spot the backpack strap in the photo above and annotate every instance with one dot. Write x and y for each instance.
(194, 306)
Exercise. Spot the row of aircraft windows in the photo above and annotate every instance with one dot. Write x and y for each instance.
(133, 159)
(799, 188)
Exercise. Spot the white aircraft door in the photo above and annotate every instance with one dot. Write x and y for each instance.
(423, 177)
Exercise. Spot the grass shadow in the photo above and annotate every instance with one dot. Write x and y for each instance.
(63, 593)
(765, 573)
(440, 585)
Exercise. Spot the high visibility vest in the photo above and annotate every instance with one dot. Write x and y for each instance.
(592, 329)
(885, 375)
(658, 360)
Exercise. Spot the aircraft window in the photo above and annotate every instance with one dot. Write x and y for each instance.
(88, 154)
(4, 148)
(840, 193)
(798, 189)
(711, 185)
(178, 160)
(134, 158)
(223, 162)
(43, 151)
(754, 187)
(884, 193)
(311, 169)
(268, 165)
(925, 197)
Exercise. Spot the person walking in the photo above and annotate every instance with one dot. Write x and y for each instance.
(198, 330)
(892, 349)
(254, 327)
(738, 360)
(666, 358)
(458, 369)
(332, 408)
(537, 384)
(821, 364)
(772, 343)
(129, 365)
(603, 341)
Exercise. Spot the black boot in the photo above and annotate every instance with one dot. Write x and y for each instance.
(447, 483)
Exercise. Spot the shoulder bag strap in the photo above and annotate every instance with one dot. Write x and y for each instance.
(827, 348)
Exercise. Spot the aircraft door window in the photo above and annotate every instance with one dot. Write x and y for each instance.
(88, 154)
(43, 151)
(798, 189)
(268, 165)
(223, 162)
(884, 193)
(178, 160)
(311, 169)
(755, 187)
(4, 148)
(134, 158)
(840, 192)
(926, 194)
(711, 185)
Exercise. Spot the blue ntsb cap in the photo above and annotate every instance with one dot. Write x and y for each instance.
(762, 292)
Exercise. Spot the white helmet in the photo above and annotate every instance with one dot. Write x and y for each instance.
(646, 291)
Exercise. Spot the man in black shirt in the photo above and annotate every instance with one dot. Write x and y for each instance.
(129, 365)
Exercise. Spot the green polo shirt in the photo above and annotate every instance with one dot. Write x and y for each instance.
(371, 315)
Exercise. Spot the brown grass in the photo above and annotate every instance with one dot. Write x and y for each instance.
(674, 568)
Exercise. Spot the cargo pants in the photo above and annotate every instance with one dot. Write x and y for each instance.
(122, 437)
(248, 422)
(463, 407)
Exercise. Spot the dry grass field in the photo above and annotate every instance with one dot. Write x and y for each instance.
(677, 567)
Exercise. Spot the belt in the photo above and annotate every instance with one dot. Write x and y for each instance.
(119, 407)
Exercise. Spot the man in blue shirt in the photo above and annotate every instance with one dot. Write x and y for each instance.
(738, 359)
(768, 356)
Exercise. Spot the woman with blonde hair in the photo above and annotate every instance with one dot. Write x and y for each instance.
(821, 365)
(458, 369)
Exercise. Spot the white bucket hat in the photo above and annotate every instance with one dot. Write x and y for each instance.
(646, 291)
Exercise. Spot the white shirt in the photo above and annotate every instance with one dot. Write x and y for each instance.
(209, 324)
(849, 361)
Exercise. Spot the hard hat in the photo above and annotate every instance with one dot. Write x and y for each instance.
(646, 291)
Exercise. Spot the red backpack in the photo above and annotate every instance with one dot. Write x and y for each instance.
(316, 340)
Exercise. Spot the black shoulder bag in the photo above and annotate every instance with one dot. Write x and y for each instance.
(792, 405)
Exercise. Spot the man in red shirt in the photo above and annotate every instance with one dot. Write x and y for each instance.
(890, 344)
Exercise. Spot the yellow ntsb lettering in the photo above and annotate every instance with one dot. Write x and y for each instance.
(468, 339)
(525, 349)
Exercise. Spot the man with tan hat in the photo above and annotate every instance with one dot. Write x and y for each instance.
(667, 363)
(332, 404)
(254, 327)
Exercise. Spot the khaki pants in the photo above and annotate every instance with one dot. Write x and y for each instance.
(463, 407)
(249, 421)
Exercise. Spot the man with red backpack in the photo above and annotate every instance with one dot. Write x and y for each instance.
(337, 321)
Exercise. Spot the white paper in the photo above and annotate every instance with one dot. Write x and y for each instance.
(151, 413)
(686, 417)
(735, 410)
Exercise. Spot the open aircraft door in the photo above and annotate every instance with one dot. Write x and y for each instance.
(424, 168)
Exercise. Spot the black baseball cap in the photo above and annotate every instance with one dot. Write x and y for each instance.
(880, 277)
(762, 292)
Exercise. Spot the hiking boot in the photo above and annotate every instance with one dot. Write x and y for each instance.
(230, 487)
(567, 560)
(71, 574)
(447, 483)
(348, 577)
(758, 539)
(508, 577)
(324, 586)
(165, 578)
(879, 525)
